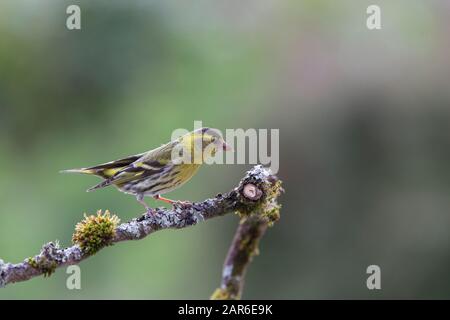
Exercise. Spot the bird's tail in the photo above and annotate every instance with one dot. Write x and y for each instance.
(102, 184)
(80, 170)
(97, 172)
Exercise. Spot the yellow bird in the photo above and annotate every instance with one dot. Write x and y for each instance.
(160, 170)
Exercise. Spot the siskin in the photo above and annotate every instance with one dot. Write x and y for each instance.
(160, 170)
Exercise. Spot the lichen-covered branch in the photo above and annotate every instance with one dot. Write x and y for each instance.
(254, 222)
(97, 232)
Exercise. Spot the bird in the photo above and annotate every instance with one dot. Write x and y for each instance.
(160, 170)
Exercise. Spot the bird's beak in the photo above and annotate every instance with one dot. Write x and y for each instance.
(226, 147)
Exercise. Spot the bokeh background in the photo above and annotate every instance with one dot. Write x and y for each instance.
(364, 119)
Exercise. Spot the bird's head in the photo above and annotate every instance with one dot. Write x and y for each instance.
(204, 143)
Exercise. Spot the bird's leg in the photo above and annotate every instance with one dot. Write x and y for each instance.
(140, 199)
(172, 202)
(158, 197)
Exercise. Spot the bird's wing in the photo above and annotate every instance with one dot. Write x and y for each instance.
(155, 159)
(151, 162)
(108, 169)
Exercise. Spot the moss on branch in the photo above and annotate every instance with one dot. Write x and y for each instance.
(95, 231)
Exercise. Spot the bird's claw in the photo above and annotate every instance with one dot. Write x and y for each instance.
(150, 212)
(182, 204)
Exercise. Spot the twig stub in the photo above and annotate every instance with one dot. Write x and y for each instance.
(250, 191)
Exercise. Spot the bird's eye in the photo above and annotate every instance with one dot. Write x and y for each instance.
(213, 139)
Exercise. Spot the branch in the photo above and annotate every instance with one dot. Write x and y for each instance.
(253, 196)
(251, 229)
(243, 248)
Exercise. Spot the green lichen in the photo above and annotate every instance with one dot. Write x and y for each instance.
(45, 266)
(274, 191)
(222, 294)
(32, 262)
(249, 245)
(95, 231)
(245, 242)
(246, 209)
(272, 214)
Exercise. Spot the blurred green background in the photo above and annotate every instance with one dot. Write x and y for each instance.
(364, 119)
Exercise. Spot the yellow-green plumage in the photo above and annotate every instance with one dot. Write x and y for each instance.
(155, 172)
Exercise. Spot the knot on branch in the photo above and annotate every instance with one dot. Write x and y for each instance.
(257, 194)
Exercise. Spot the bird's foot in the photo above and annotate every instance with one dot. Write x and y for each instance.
(174, 203)
(150, 212)
(182, 204)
